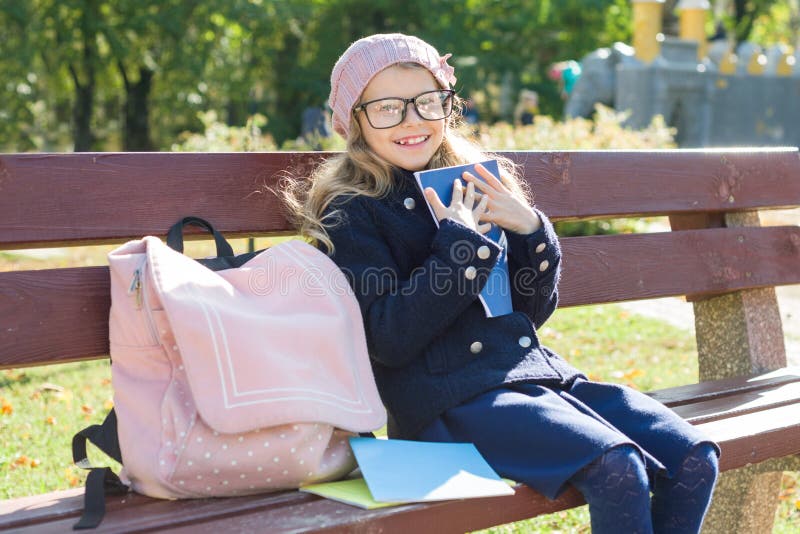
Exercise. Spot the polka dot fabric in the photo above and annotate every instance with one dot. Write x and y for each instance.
(197, 461)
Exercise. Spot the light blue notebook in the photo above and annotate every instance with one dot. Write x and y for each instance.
(496, 294)
(413, 471)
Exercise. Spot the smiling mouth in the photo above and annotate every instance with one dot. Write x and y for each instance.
(412, 140)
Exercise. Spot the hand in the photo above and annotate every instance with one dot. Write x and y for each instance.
(503, 208)
(462, 208)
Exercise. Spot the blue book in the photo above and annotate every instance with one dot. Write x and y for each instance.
(415, 471)
(496, 294)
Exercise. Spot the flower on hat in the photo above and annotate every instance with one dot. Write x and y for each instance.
(447, 70)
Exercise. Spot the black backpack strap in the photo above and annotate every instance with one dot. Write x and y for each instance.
(104, 437)
(101, 481)
(175, 235)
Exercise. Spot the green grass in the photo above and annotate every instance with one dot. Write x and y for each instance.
(40, 408)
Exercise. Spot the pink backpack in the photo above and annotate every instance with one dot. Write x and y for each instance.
(238, 381)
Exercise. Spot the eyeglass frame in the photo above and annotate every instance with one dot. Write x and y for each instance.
(406, 101)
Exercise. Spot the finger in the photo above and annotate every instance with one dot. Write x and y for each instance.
(481, 207)
(480, 184)
(469, 196)
(436, 203)
(490, 178)
(458, 192)
(483, 228)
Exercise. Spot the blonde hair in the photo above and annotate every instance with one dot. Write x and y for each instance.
(359, 171)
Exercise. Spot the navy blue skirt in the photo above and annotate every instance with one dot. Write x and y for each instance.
(543, 435)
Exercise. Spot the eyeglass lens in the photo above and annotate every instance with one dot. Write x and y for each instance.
(388, 112)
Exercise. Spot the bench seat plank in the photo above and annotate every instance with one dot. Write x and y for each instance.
(740, 404)
(755, 437)
(111, 197)
(62, 314)
(300, 512)
(773, 431)
(679, 395)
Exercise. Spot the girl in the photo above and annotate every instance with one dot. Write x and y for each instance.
(445, 371)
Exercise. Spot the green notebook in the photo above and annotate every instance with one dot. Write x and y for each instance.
(352, 491)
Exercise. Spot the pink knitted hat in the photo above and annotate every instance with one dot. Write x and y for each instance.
(367, 57)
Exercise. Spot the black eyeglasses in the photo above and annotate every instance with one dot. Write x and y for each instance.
(389, 112)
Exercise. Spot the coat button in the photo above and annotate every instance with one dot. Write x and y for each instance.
(540, 247)
(484, 252)
(470, 273)
(544, 265)
(476, 347)
(524, 342)
(409, 203)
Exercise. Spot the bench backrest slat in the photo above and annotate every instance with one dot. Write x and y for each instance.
(58, 199)
(62, 314)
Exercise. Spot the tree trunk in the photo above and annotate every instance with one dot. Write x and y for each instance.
(83, 106)
(288, 108)
(745, 14)
(136, 126)
(82, 110)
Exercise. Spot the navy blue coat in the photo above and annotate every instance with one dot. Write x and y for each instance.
(431, 344)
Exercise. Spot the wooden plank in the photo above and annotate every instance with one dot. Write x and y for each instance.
(435, 518)
(112, 197)
(745, 439)
(65, 310)
(299, 512)
(692, 393)
(742, 403)
(755, 437)
(601, 269)
(62, 314)
(54, 315)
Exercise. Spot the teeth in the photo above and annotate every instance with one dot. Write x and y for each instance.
(412, 140)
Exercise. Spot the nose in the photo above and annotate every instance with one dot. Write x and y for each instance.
(412, 117)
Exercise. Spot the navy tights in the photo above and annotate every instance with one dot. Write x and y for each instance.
(617, 490)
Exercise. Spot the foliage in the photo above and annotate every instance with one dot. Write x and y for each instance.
(606, 131)
(219, 137)
(749, 20)
(133, 74)
(780, 23)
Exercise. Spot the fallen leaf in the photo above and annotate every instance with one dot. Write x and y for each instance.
(5, 407)
(633, 373)
(87, 409)
(72, 478)
(50, 420)
(108, 404)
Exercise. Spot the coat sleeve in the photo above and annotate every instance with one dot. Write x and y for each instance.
(534, 267)
(404, 314)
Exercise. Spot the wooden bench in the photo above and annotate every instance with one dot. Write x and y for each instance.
(717, 255)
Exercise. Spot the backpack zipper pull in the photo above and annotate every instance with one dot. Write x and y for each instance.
(136, 285)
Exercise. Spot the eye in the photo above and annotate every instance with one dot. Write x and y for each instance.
(385, 106)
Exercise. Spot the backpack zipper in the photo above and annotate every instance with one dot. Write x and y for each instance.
(137, 285)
